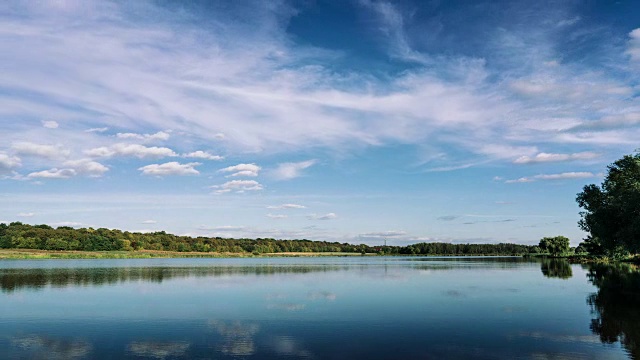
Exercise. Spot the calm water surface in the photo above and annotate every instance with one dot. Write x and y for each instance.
(318, 308)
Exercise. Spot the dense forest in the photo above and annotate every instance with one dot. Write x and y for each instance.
(17, 235)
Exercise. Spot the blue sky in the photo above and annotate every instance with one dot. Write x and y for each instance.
(356, 121)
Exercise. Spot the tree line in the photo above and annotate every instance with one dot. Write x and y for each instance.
(17, 235)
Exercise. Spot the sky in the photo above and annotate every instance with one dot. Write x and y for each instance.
(350, 120)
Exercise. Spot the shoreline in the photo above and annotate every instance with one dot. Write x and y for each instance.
(35, 254)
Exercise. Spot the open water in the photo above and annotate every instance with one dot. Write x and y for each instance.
(318, 308)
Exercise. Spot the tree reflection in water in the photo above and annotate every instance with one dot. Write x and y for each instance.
(556, 268)
(616, 305)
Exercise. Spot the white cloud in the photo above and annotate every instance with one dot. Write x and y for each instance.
(8, 162)
(66, 223)
(550, 157)
(29, 214)
(222, 228)
(137, 150)
(569, 22)
(50, 124)
(519, 180)
(286, 171)
(561, 176)
(97, 130)
(616, 121)
(329, 216)
(385, 234)
(277, 216)
(287, 206)
(633, 49)
(238, 186)
(202, 155)
(149, 222)
(170, 168)
(87, 167)
(565, 175)
(161, 135)
(54, 173)
(46, 151)
(242, 170)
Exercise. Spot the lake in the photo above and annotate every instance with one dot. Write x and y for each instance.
(318, 308)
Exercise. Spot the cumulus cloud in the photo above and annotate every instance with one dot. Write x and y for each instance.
(8, 162)
(170, 168)
(550, 157)
(160, 135)
(277, 216)
(560, 176)
(50, 124)
(136, 150)
(633, 49)
(87, 167)
(242, 170)
(286, 171)
(54, 173)
(45, 151)
(149, 222)
(202, 155)
(238, 186)
(287, 206)
(329, 216)
(23, 214)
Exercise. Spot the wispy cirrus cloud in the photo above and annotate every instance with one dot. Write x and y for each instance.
(328, 216)
(550, 157)
(287, 206)
(560, 176)
(277, 216)
(291, 170)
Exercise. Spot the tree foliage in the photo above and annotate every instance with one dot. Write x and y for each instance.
(554, 245)
(24, 236)
(612, 211)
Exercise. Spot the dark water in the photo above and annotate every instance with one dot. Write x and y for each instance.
(318, 308)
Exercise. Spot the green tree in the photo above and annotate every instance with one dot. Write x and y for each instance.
(612, 211)
(554, 245)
